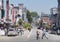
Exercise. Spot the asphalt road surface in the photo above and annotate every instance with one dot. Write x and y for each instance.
(29, 37)
(20, 39)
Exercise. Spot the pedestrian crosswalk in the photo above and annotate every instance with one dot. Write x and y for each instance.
(32, 34)
(28, 37)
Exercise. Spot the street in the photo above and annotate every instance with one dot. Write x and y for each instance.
(28, 20)
(18, 39)
(27, 37)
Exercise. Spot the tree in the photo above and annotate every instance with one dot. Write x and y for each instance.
(29, 17)
(15, 25)
(47, 26)
(20, 21)
(34, 14)
(26, 25)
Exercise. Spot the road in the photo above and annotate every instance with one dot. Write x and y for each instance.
(29, 37)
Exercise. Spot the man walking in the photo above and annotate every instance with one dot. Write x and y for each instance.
(37, 34)
(21, 29)
(44, 33)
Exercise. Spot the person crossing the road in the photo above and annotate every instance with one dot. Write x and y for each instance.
(44, 33)
(37, 35)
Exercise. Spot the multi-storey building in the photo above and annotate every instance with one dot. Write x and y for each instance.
(2, 9)
(17, 12)
(11, 15)
(24, 15)
(7, 9)
(54, 13)
(58, 16)
(45, 19)
(20, 10)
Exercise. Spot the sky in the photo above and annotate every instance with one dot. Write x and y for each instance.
(36, 5)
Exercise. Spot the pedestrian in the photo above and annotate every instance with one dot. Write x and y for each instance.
(29, 29)
(37, 35)
(21, 30)
(5, 31)
(18, 31)
(44, 33)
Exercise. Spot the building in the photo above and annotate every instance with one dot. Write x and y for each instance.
(0, 9)
(58, 16)
(11, 15)
(7, 9)
(24, 15)
(20, 10)
(54, 10)
(17, 12)
(2, 12)
(54, 13)
(46, 19)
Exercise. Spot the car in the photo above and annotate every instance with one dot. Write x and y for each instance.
(12, 32)
(2, 32)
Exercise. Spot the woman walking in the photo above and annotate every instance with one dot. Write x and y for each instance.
(37, 35)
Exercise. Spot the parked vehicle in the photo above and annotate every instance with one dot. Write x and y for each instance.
(2, 32)
(12, 32)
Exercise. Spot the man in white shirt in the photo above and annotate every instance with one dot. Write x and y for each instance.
(44, 33)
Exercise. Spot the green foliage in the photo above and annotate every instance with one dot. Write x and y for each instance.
(47, 26)
(15, 25)
(20, 21)
(34, 14)
(28, 13)
(26, 25)
(29, 17)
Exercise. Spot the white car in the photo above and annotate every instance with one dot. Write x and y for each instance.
(12, 32)
(2, 32)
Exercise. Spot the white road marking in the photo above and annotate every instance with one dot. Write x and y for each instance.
(29, 34)
(25, 33)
